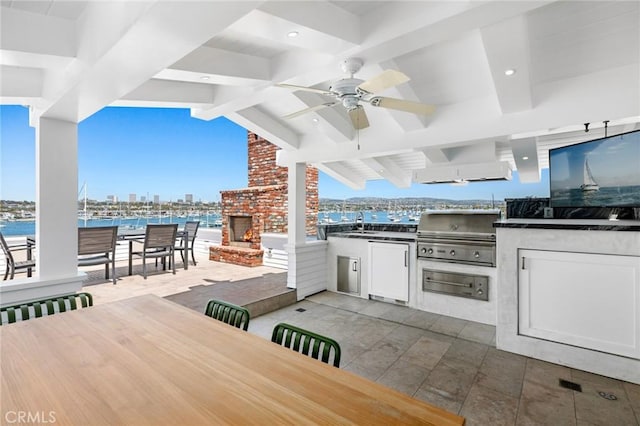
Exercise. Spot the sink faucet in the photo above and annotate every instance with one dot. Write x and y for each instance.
(360, 215)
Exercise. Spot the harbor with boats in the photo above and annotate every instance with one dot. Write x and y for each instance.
(18, 217)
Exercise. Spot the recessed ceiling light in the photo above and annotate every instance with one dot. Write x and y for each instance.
(292, 34)
(315, 120)
(205, 77)
(525, 158)
(509, 72)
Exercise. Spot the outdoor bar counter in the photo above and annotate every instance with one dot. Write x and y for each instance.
(569, 293)
(571, 224)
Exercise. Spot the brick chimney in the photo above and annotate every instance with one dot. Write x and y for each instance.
(261, 207)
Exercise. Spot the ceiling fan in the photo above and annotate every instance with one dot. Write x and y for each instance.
(352, 92)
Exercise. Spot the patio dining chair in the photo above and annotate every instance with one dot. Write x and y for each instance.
(44, 307)
(185, 245)
(159, 243)
(307, 343)
(13, 265)
(97, 246)
(228, 313)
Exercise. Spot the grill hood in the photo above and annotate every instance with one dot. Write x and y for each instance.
(459, 173)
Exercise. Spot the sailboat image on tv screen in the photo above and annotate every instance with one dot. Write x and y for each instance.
(589, 184)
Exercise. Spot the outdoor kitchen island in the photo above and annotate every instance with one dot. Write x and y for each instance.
(444, 265)
(569, 293)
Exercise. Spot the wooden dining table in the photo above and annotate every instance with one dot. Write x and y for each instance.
(146, 360)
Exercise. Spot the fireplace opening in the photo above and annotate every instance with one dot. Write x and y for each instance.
(240, 231)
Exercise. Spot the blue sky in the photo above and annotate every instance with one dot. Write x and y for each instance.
(166, 152)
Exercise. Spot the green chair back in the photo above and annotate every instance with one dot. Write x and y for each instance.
(307, 343)
(39, 308)
(228, 313)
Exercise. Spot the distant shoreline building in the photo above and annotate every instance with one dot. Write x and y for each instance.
(132, 198)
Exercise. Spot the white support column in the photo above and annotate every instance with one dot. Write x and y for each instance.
(56, 250)
(306, 260)
(56, 198)
(297, 204)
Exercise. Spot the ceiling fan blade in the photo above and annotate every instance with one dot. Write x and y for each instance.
(359, 118)
(306, 89)
(311, 109)
(388, 78)
(402, 105)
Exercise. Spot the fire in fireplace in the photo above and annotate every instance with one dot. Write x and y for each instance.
(240, 231)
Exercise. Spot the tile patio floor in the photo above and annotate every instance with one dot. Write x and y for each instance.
(445, 361)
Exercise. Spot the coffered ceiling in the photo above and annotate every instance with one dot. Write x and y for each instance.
(575, 62)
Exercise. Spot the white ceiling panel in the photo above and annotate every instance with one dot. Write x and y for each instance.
(450, 72)
(572, 38)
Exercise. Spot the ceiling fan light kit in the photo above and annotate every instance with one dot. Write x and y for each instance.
(351, 92)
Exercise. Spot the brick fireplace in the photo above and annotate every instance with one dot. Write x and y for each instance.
(261, 207)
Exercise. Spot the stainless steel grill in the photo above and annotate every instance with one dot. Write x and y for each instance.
(458, 236)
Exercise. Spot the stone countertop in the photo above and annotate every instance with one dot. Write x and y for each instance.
(377, 235)
(571, 224)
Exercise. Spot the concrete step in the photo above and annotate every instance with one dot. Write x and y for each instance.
(259, 295)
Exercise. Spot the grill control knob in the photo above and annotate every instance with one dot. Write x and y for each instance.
(452, 252)
(430, 251)
(480, 292)
(423, 250)
(476, 254)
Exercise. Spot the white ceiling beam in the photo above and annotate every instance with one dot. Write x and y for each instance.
(228, 99)
(525, 157)
(479, 151)
(266, 126)
(184, 93)
(128, 54)
(389, 170)
(435, 155)
(342, 174)
(223, 67)
(506, 45)
(20, 82)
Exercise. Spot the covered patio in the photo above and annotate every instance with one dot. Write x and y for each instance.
(499, 83)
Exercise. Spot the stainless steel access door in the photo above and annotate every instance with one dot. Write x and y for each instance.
(349, 275)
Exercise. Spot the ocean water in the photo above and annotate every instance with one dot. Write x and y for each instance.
(28, 227)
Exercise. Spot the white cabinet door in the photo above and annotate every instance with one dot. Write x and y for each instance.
(586, 300)
(389, 270)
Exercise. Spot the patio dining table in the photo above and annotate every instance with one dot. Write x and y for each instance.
(146, 360)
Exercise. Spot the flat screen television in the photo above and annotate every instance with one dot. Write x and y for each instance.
(598, 173)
